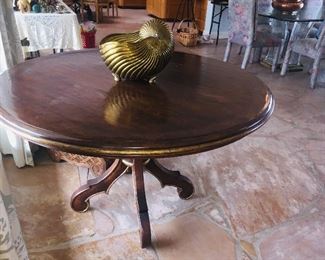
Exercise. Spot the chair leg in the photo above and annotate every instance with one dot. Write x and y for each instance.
(116, 9)
(227, 52)
(314, 73)
(256, 57)
(219, 23)
(240, 50)
(111, 7)
(285, 62)
(97, 14)
(276, 57)
(82, 11)
(252, 56)
(299, 60)
(246, 57)
(211, 25)
(259, 54)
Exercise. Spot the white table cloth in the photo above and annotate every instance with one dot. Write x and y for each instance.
(49, 30)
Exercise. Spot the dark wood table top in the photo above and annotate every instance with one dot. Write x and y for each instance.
(71, 102)
(311, 12)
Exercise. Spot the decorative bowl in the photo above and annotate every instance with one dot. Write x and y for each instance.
(288, 5)
(140, 55)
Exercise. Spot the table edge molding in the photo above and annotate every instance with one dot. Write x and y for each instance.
(141, 152)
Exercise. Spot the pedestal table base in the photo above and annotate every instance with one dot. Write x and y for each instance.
(185, 188)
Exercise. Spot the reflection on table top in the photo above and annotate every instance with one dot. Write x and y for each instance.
(311, 12)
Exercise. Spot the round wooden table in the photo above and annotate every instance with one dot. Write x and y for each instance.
(70, 102)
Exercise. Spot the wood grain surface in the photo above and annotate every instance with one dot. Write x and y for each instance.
(71, 102)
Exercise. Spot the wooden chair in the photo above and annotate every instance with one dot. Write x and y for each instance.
(132, 4)
(114, 5)
(99, 4)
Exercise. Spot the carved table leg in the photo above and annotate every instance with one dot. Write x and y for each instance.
(185, 188)
(80, 198)
(141, 202)
(184, 185)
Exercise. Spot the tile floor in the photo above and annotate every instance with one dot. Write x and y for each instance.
(260, 198)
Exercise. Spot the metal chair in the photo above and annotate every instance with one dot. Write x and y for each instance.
(216, 17)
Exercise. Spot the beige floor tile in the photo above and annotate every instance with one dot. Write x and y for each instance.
(115, 212)
(260, 180)
(42, 198)
(192, 237)
(120, 248)
(300, 240)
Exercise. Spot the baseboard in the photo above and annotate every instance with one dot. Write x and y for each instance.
(222, 35)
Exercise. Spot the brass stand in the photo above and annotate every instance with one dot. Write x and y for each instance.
(185, 188)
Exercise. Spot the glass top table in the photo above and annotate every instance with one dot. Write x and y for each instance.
(311, 12)
(314, 11)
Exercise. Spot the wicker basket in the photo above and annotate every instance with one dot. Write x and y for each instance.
(187, 36)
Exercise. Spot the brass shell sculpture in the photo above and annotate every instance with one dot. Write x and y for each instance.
(139, 55)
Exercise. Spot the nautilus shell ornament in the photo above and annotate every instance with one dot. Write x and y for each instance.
(140, 55)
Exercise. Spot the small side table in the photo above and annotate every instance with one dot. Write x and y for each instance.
(216, 17)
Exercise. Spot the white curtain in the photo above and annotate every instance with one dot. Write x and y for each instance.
(10, 55)
(12, 245)
(18, 147)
